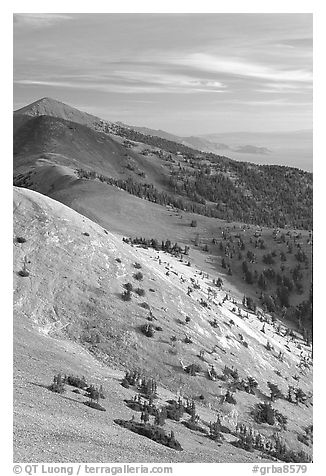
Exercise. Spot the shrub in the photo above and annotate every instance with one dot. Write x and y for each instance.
(268, 259)
(20, 239)
(140, 291)
(138, 276)
(125, 383)
(101, 392)
(149, 388)
(135, 405)
(147, 330)
(215, 431)
(194, 426)
(93, 393)
(245, 442)
(229, 398)
(252, 384)
(227, 371)
(58, 384)
(137, 265)
(153, 432)
(269, 346)
(275, 391)
(264, 413)
(126, 296)
(193, 369)
(290, 456)
(132, 377)
(174, 410)
(281, 419)
(76, 381)
(307, 437)
(128, 286)
(95, 405)
(23, 273)
(160, 417)
(300, 395)
(174, 413)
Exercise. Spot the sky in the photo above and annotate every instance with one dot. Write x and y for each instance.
(188, 74)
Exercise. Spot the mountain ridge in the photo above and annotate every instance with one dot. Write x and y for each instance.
(277, 147)
(204, 183)
(52, 107)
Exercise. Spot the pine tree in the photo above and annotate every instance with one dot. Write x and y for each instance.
(275, 391)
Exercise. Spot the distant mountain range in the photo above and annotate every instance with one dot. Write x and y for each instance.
(292, 148)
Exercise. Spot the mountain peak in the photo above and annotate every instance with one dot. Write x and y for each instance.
(47, 106)
(42, 102)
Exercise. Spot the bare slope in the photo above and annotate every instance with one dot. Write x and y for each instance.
(48, 152)
(69, 310)
(135, 217)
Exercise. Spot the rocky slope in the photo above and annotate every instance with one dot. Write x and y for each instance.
(69, 317)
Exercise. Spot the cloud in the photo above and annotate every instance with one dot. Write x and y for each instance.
(283, 102)
(305, 42)
(239, 67)
(168, 79)
(286, 88)
(132, 82)
(39, 20)
(115, 88)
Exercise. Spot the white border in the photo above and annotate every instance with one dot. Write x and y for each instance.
(168, 6)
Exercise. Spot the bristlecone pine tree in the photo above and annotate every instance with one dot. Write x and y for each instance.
(275, 391)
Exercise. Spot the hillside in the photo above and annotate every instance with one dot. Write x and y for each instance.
(70, 316)
(140, 185)
(203, 183)
(291, 148)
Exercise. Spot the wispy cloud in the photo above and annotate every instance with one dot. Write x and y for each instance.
(163, 78)
(239, 67)
(286, 88)
(270, 103)
(305, 42)
(40, 20)
(114, 88)
(132, 82)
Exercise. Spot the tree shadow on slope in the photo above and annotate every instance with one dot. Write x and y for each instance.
(41, 385)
